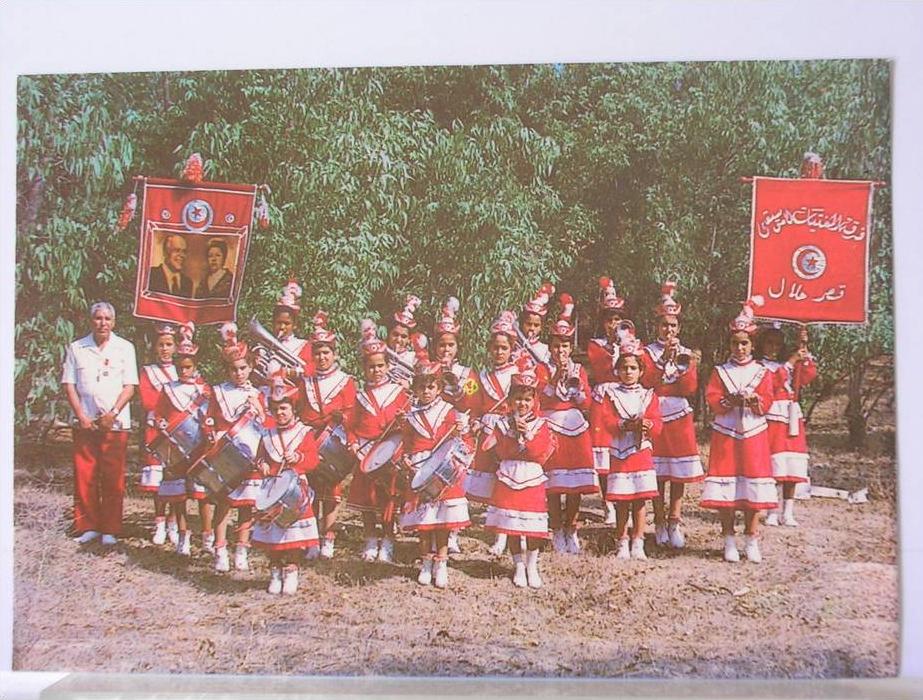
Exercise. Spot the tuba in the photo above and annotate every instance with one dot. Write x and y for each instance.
(267, 350)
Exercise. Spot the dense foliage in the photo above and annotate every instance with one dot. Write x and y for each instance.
(474, 181)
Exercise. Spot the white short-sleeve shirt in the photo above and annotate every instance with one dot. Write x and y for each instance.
(100, 374)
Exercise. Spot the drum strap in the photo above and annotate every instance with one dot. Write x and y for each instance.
(191, 409)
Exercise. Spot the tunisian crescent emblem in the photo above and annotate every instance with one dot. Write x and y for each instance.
(809, 262)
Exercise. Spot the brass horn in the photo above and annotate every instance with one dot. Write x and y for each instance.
(267, 350)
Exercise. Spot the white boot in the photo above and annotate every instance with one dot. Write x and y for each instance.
(386, 551)
(426, 572)
(624, 549)
(173, 531)
(519, 575)
(661, 536)
(290, 580)
(610, 513)
(208, 541)
(326, 549)
(730, 549)
(558, 541)
(637, 548)
(788, 513)
(532, 576)
(753, 549)
(454, 546)
(160, 531)
(275, 580)
(222, 561)
(572, 541)
(499, 546)
(241, 558)
(183, 542)
(441, 573)
(772, 520)
(675, 534)
(370, 553)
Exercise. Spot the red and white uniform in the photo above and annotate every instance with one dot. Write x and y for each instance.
(152, 378)
(518, 504)
(292, 448)
(300, 348)
(570, 468)
(177, 401)
(627, 456)
(229, 402)
(539, 349)
(676, 452)
(375, 409)
(324, 394)
(425, 428)
(488, 405)
(788, 445)
(602, 356)
(739, 467)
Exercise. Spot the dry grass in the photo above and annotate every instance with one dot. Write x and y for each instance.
(824, 603)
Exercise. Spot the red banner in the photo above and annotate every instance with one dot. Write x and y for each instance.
(192, 250)
(809, 246)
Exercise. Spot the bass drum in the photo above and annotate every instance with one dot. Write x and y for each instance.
(226, 463)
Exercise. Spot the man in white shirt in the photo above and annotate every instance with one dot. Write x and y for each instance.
(99, 378)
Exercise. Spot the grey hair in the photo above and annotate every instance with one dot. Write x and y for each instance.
(102, 306)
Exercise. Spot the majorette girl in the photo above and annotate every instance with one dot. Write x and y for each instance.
(230, 401)
(487, 406)
(740, 393)
(187, 395)
(373, 417)
(625, 418)
(431, 422)
(518, 506)
(290, 445)
(602, 354)
(788, 446)
(153, 378)
(329, 394)
(284, 319)
(564, 397)
(531, 319)
(671, 370)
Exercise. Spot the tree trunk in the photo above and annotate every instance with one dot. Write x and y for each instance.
(855, 419)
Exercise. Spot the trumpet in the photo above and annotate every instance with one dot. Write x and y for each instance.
(523, 343)
(398, 370)
(268, 350)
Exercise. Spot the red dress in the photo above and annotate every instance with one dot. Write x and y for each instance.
(739, 466)
(602, 356)
(300, 348)
(325, 394)
(488, 405)
(631, 466)
(153, 377)
(518, 504)
(424, 430)
(375, 410)
(570, 468)
(297, 442)
(230, 402)
(676, 452)
(788, 445)
(177, 401)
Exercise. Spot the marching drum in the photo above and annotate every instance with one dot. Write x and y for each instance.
(336, 462)
(283, 499)
(176, 442)
(442, 469)
(226, 463)
(385, 452)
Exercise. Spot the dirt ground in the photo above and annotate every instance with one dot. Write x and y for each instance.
(824, 602)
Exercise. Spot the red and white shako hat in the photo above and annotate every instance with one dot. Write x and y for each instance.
(371, 344)
(609, 300)
(668, 306)
(630, 344)
(233, 349)
(448, 320)
(419, 342)
(812, 166)
(322, 335)
(505, 324)
(404, 317)
(186, 347)
(425, 368)
(279, 389)
(564, 327)
(744, 320)
(165, 329)
(539, 303)
(290, 298)
(525, 373)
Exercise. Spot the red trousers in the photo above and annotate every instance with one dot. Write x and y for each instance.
(99, 480)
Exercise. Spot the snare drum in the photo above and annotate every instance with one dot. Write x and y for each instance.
(284, 499)
(336, 462)
(441, 470)
(177, 441)
(228, 462)
(384, 452)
